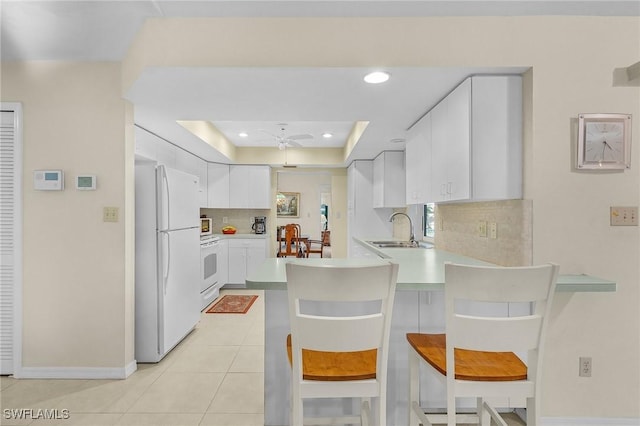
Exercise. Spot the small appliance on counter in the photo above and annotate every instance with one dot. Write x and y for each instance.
(259, 224)
(206, 226)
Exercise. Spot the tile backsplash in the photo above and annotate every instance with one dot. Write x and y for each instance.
(240, 218)
(457, 230)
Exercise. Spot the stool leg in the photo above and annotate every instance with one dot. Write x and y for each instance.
(414, 385)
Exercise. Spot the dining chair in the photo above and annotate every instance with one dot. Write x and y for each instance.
(476, 357)
(316, 246)
(340, 319)
(289, 244)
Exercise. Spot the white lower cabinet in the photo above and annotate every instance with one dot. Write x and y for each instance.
(245, 255)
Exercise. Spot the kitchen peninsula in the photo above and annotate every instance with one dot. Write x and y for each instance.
(418, 307)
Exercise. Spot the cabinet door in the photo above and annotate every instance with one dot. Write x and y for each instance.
(418, 163)
(439, 151)
(259, 187)
(196, 166)
(255, 257)
(166, 153)
(218, 185)
(145, 144)
(389, 180)
(378, 181)
(237, 265)
(249, 187)
(450, 131)
(238, 187)
(458, 147)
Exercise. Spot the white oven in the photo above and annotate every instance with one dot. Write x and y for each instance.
(209, 270)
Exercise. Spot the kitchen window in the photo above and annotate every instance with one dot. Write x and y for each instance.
(429, 220)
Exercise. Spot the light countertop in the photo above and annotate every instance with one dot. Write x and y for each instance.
(241, 236)
(420, 269)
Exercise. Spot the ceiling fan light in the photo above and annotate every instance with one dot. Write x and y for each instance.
(377, 77)
(281, 146)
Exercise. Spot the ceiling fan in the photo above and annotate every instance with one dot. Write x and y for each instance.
(284, 141)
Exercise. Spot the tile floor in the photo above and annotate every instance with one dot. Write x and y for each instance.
(214, 377)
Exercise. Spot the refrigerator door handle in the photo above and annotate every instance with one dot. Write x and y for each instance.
(164, 208)
(165, 277)
(166, 186)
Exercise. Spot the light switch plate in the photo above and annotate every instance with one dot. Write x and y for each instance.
(482, 228)
(624, 216)
(494, 230)
(110, 214)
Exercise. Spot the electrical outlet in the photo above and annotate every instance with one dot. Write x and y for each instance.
(585, 366)
(494, 230)
(482, 228)
(225, 219)
(624, 216)
(110, 214)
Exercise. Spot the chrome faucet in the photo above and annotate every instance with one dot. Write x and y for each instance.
(412, 238)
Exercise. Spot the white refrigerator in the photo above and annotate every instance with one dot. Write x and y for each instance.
(167, 291)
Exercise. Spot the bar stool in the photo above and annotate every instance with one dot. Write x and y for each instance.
(476, 357)
(335, 353)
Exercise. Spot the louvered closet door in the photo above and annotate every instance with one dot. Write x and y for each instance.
(9, 192)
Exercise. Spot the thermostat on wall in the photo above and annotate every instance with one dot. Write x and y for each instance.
(48, 180)
(86, 182)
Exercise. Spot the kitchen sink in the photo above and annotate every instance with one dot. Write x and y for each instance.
(399, 244)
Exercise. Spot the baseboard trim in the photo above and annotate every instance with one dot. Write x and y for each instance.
(590, 421)
(77, 372)
(582, 421)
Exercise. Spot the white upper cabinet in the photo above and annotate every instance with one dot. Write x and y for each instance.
(451, 145)
(470, 144)
(362, 219)
(418, 162)
(250, 187)
(218, 185)
(191, 164)
(496, 135)
(389, 180)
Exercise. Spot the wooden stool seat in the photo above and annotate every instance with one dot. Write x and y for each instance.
(470, 365)
(336, 366)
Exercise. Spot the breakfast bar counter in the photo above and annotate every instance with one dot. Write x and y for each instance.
(418, 307)
(420, 269)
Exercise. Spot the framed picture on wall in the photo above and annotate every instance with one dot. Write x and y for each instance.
(288, 204)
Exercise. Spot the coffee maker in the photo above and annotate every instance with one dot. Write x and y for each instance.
(259, 224)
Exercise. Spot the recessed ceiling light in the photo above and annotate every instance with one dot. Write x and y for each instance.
(327, 135)
(377, 77)
(243, 134)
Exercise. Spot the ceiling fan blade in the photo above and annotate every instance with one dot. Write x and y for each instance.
(292, 143)
(269, 133)
(300, 137)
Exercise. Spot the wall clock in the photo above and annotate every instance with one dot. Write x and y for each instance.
(604, 141)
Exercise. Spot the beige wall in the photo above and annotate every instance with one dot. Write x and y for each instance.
(78, 270)
(75, 269)
(308, 182)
